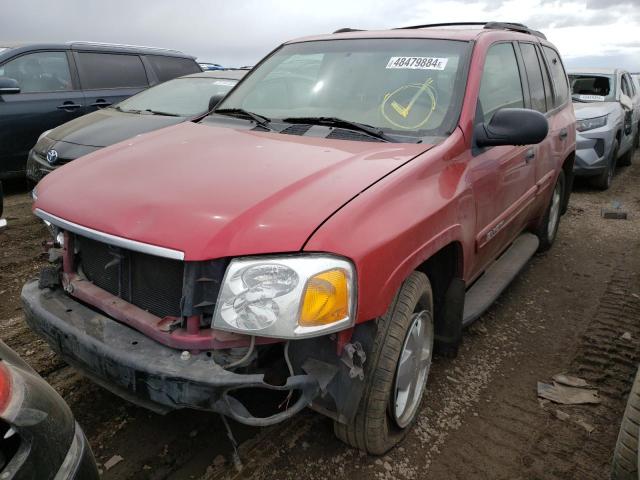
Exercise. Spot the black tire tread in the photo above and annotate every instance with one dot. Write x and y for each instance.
(541, 231)
(625, 455)
(369, 430)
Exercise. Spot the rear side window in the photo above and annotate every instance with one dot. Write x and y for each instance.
(110, 70)
(500, 86)
(534, 76)
(39, 72)
(167, 68)
(559, 76)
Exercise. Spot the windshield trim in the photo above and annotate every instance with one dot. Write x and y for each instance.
(461, 83)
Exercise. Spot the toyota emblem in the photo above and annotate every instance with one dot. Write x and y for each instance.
(52, 156)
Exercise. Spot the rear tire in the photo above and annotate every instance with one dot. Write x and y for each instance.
(377, 426)
(548, 228)
(604, 180)
(625, 456)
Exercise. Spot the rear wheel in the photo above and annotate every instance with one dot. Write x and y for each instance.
(396, 371)
(604, 180)
(548, 228)
(625, 456)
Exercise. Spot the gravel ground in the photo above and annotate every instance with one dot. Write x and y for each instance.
(575, 309)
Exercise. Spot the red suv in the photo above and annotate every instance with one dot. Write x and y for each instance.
(349, 207)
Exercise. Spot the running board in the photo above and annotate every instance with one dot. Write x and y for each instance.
(496, 278)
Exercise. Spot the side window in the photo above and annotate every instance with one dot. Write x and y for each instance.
(500, 86)
(559, 76)
(39, 72)
(534, 75)
(167, 68)
(110, 70)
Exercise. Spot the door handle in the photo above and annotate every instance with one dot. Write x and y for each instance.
(69, 106)
(530, 155)
(563, 134)
(100, 103)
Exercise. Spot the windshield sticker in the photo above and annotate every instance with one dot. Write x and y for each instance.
(591, 98)
(224, 83)
(410, 106)
(418, 63)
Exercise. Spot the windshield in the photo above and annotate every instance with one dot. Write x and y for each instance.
(185, 97)
(407, 87)
(592, 88)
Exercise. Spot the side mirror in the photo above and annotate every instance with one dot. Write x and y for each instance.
(215, 100)
(8, 85)
(626, 102)
(512, 126)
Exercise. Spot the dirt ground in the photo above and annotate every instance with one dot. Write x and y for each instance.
(572, 310)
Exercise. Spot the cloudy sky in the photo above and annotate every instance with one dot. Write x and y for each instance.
(240, 32)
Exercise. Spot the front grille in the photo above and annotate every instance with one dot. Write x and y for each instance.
(147, 281)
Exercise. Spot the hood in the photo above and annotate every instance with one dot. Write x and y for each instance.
(594, 109)
(214, 192)
(109, 126)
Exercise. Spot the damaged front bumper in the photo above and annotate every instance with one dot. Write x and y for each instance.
(144, 371)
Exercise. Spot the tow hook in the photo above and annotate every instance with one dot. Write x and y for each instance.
(353, 356)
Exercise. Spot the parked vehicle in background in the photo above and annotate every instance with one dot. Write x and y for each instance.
(607, 106)
(39, 438)
(45, 85)
(210, 66)
(172, 102)
(348, 207)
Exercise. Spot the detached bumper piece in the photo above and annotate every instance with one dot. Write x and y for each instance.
(143, 371)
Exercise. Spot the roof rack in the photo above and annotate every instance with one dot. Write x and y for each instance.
(123, 45)
(516, 27)
(347, 29)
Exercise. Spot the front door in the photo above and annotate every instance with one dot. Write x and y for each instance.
(504, 176)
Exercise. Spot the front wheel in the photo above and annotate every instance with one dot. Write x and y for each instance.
(396, 371)
(604, 180)
(548, 228)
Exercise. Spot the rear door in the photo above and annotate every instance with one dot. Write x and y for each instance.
(108, 78)
(49, 96)
(562, 131)
(544, 155)
(504, 181)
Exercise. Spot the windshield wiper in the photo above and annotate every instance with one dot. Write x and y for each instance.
(342, 123)
(575, 98)
(241, 112)
(165, 114)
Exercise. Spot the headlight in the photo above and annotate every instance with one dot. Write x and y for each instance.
(591, 123)
(286, 297)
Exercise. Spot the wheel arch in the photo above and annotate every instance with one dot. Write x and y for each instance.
(567, 167)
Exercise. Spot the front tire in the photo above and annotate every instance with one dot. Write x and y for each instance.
(604, 180)
(548, 228)
(396, 371)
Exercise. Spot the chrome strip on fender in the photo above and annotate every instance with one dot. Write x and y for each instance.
(110, 239)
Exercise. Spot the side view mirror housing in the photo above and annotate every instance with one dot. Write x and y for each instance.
(215, 100)
(8, 85)
(512, 126)
(626, 102)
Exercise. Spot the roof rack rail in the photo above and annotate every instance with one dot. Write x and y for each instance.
(347, 29)
(123, 45)
(516, 27)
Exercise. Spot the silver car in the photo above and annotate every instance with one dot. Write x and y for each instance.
(607, 106)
